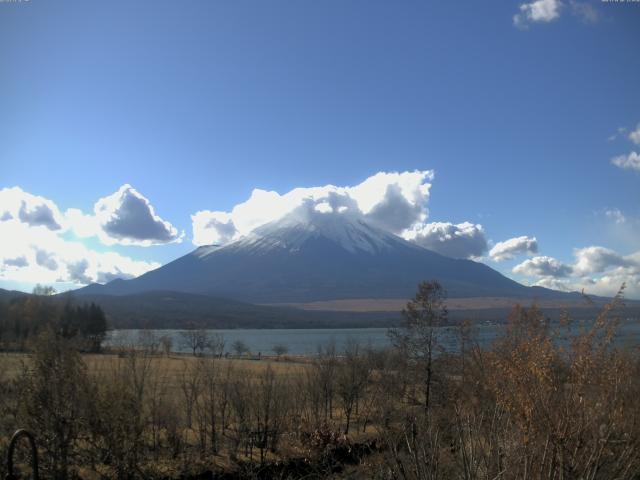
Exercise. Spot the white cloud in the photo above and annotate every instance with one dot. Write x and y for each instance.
(39, 255)
(396, 202)
(596, 270)
(30, 209)
(464, 240)
(125, 217)
(512, 247)
(212, 228)
(553, 284)
(584, 11)
(620, 131)
(83, 226)
(20, 261)
(616, 215)
(609, 284)
(537, 11)
(545, 11)
(627, 162)
(543, 267)
(35, 250)
(630, 161)
(635, 135)
(595, 259)
(46, 259)
(128, 218)
(324, 207)
(393, 201)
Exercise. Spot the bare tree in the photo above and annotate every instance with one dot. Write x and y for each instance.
(280, 349)
(207, 402)
(310, 395)
(43, 290)
(240, 395)
(326, 368)
(352, 378)
(417, 338)
(195, 339)
(149, 341)
(157, 405)
(166, 344)
(53, 387)
(270, 410)
(215, 344)
(190, 388)
(239, 347)
(120, 415)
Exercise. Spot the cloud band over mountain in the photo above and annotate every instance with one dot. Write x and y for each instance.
(41, 246)
(393, 201)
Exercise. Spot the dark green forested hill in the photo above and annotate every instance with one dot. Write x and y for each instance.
(178, 309)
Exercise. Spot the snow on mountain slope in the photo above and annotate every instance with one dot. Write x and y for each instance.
(292, 232)
(309, 256)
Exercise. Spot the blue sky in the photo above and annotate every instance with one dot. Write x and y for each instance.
(195, 104)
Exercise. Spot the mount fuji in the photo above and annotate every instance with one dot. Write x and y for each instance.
(310, 256)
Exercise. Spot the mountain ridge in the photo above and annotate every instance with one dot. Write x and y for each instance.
(179, 310)
(312, 256)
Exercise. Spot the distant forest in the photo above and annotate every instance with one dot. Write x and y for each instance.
(23, 318)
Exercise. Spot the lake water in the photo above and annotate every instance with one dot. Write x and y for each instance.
(307, 341)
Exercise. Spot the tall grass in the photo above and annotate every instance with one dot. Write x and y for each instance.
(545, 401)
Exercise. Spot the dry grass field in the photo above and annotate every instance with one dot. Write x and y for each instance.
(171, 365)
(470, 303)
(526, 407)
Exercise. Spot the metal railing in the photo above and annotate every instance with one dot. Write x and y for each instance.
(34, 454)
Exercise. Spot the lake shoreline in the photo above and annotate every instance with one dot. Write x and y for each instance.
(307, 342)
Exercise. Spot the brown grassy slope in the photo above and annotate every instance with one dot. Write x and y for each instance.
(397, 304)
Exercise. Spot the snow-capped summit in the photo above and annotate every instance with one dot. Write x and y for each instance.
(292, 232)
(318, 252)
